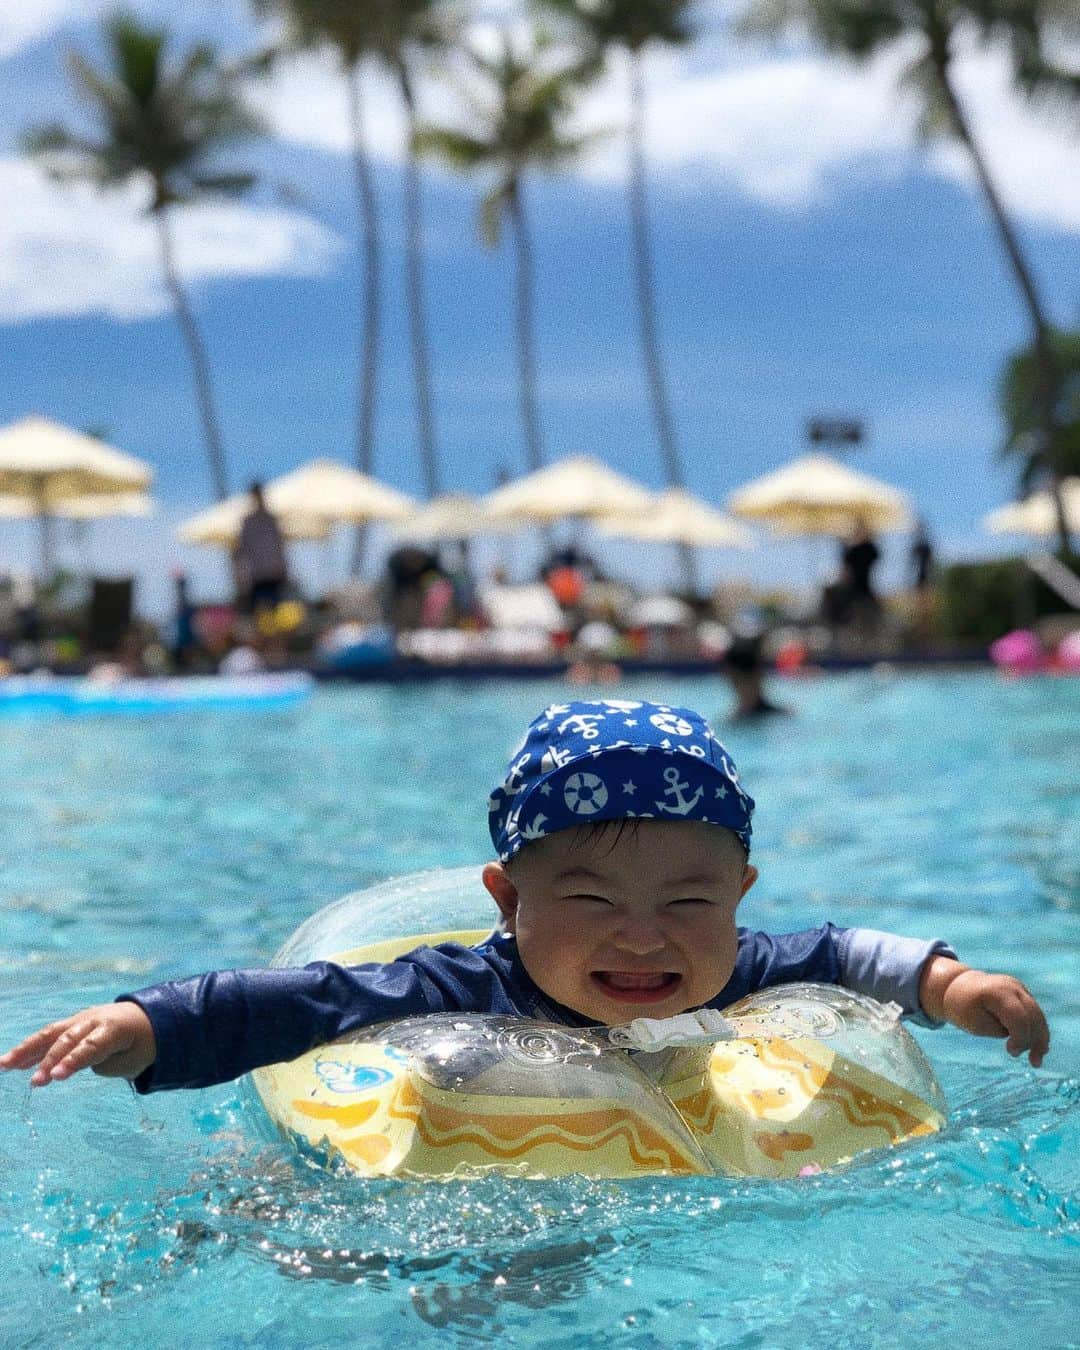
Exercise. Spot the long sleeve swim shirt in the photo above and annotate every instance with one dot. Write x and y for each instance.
(215, 1027)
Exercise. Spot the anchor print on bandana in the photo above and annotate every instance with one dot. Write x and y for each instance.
(680, 805)
(672, 724)
(585, 794)
(583, 724)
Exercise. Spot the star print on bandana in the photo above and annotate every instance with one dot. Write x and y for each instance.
(580, 763)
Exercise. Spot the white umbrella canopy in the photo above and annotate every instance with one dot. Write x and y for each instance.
(576, 487)
(678, 517)
(1036, 515)
(454, 516)
(819, 495)
(46, 464)
(336, 493)
(219, 525)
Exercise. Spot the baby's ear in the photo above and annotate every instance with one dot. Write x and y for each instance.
(502, 890)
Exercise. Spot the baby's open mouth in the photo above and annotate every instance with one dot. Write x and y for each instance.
(637, 986)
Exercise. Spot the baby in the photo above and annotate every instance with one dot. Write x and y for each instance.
(623, 838)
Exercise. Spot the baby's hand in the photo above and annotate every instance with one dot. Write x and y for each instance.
(986, 1005)
(114, 1039)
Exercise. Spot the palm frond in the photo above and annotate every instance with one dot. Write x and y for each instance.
(137, 54)
(456, 148)
(167, 120)
(627, 23)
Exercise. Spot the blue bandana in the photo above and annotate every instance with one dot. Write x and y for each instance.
(615, 759)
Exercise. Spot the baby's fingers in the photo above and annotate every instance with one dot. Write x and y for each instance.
(31, 1050)
(86, 1042)
(1026, 1025)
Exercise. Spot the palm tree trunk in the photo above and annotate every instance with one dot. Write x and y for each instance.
(199, 365)
(369, 302)
(530, 417)
(414, 290)
(646, 295)
(1045, 365)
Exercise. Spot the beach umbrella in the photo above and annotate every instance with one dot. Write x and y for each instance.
(1036, 515)
(219, 525)
(337, 494)
(578, 487)
(46, 464)
(678, 517)
(819, 495)
(453, 516)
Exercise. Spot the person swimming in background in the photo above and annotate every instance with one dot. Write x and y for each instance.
(622, 833)
(745, 670)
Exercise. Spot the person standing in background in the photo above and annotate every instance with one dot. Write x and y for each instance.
(858, 559)
(259, 564)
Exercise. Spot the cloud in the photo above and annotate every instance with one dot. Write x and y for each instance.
(1031, 153)
(783, 129)
(71, 250)
(779, 129)
(776, 129)
(304, 100)
(22, 24)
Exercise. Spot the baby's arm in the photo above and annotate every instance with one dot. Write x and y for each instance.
(985, 1005)
(215, 1027)
(114, 1039)
(924, 978)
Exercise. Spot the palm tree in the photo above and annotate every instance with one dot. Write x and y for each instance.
(347, 27)
(861, 28)
(163, 124)
(414, 26)
(518, 128)
(633, 25)
(391, 32)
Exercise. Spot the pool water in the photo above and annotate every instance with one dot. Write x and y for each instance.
(144, 848)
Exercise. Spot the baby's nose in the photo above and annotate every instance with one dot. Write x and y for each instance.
(640, 934)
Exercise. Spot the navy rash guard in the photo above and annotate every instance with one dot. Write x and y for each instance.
(215, 1027)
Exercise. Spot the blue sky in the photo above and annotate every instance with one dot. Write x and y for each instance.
(811, 257)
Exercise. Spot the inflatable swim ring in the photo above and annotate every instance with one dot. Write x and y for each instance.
(807, 1077)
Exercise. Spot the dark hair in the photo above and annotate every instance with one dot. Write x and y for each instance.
(595, 832)
(744, 655)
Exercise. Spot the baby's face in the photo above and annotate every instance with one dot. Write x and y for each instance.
(638, 926)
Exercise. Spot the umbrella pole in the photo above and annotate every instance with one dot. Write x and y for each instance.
(689, 570)
(45, 526)
(45, 521)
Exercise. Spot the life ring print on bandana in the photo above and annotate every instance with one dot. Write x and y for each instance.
(671, 724)
(585, 794)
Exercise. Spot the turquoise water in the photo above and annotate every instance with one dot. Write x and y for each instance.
(136, 849)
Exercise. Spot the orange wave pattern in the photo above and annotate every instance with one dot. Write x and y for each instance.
(506, 1136)
(345, 1117)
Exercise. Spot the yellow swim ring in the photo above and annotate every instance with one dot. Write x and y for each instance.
(808, 1077)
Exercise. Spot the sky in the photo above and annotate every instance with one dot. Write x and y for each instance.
(812, 257)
